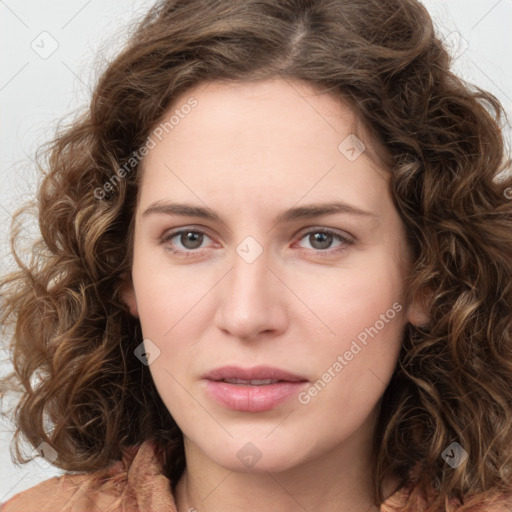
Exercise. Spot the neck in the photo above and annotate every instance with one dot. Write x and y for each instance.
(337, 482)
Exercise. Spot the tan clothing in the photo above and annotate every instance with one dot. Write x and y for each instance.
(135, 484)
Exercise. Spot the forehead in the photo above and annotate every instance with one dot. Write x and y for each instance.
(265, 112)
(252, 136)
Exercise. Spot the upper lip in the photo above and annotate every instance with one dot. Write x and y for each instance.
(254, 373)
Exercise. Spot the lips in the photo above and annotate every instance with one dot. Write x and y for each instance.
(254, 389)
(255, 374)
(252, 382)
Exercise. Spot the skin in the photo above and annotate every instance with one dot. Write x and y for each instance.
(249, 152)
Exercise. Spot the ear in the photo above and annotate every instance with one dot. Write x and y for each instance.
(417, 312)
(128, 295)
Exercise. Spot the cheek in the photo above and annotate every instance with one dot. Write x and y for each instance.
(364, 315)
(354, 366)
(357, 296)
(164, 294)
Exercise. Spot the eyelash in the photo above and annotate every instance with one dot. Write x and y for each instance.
(346, 241)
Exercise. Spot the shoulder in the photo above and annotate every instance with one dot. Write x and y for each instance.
(64, 493)
(411, 496)
(135, 483)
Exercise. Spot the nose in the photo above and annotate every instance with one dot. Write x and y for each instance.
(252, 300)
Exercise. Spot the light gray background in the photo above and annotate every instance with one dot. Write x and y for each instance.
(37, 89)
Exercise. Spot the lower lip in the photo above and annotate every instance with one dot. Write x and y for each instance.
(248, 398)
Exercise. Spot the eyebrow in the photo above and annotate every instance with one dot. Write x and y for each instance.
(295, 213)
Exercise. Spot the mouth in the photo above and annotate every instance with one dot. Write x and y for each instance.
(254, 389)
(257, 375)
(252, 382)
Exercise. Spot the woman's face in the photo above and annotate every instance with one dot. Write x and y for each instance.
(267, 249)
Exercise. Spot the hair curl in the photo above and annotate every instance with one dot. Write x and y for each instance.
(72, 338)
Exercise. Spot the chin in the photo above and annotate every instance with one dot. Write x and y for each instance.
(255, 456)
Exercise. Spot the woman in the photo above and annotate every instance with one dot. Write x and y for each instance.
(274, 272)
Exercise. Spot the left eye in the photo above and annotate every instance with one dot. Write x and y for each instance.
(324, 239)
(191, 240)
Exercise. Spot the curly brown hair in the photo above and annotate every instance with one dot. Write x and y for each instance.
(72, 337)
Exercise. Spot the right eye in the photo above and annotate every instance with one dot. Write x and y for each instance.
(187, 240)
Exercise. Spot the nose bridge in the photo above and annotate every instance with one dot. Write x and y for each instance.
(250, 302)
(250, 284)
(250, 261)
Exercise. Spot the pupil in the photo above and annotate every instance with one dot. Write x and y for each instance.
(193, 238)
(323, 238)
